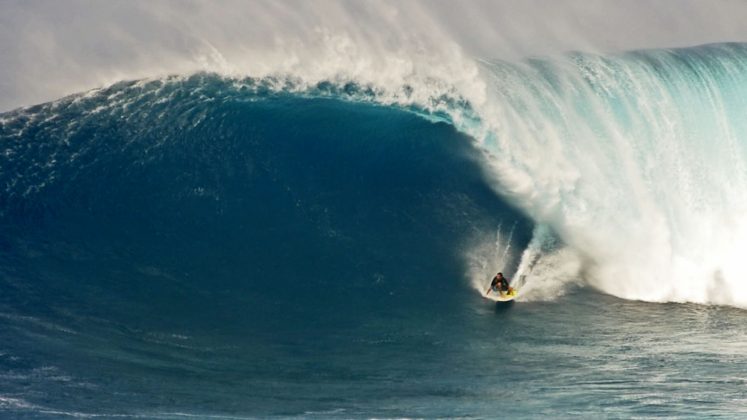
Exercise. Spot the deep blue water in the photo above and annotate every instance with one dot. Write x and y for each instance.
(229, 241)
(187, 247)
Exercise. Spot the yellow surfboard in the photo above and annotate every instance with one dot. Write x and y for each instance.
(507, 296)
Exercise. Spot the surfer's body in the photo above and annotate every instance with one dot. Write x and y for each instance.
(499, 284)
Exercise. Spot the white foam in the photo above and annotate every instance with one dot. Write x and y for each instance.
(641, 175)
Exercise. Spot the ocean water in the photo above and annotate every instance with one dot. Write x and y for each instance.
(207, 246)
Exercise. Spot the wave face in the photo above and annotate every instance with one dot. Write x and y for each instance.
(143, 219)
(151, 189)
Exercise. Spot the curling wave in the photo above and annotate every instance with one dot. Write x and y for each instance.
(632, 166)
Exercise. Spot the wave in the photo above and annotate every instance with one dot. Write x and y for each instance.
(631, 166)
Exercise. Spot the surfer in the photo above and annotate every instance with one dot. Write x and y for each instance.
(499, 284)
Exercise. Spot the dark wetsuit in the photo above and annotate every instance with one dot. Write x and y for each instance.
(499, 284)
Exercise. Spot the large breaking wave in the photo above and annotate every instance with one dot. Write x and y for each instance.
(632, 168)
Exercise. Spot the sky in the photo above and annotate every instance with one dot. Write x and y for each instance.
(52, 48)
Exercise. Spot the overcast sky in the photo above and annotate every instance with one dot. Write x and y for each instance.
(50, 48)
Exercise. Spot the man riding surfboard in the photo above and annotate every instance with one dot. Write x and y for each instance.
(499, 284)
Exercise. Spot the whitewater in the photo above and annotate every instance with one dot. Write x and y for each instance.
(299, 218)
(637, 163)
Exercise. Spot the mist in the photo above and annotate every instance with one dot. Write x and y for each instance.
(54, 48)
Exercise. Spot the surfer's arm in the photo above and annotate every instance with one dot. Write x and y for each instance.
(488, 292)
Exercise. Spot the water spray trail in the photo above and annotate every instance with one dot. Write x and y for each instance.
(506, 246)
